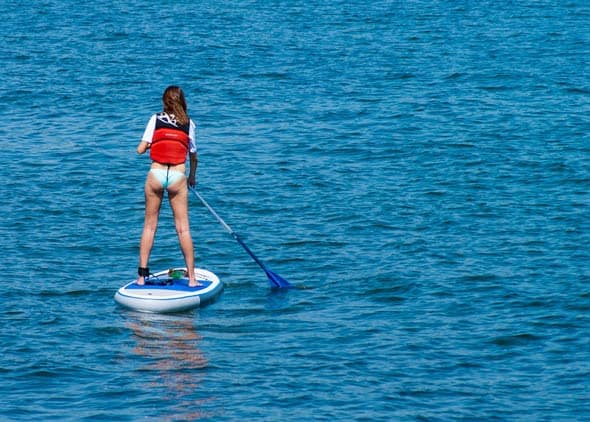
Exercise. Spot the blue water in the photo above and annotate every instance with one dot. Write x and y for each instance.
(420, 169)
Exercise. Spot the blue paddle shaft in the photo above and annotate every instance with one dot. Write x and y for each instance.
(275, 279)
(247, 249)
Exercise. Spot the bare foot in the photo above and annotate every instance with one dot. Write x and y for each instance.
(140, 281)
(194, 283)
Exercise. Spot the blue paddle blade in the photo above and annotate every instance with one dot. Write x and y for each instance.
(276, 281)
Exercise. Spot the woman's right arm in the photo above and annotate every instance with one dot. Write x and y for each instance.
(145, 144)
(143, 147)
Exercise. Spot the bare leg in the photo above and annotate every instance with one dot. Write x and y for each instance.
(153, 201)
(178, 196)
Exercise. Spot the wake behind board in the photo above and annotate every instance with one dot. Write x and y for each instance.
(168, 291)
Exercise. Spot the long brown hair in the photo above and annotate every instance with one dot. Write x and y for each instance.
(174, 103)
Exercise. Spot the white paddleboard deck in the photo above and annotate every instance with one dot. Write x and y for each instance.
(168, 291)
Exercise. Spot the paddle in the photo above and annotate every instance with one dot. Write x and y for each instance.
(275, 280)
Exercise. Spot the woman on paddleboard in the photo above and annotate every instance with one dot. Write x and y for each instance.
(170, 136)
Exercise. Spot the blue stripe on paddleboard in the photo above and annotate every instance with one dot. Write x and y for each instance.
(178, 285)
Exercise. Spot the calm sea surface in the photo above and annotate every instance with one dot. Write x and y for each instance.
(420, 169)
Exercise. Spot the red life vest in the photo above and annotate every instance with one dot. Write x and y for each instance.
(170, 143)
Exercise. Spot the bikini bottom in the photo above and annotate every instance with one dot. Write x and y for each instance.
(167, 177)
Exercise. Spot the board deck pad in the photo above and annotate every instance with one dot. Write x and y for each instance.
(169, 284)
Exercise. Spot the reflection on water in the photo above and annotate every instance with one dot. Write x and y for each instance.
(170, 344)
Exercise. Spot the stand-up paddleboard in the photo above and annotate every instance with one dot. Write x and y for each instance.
(168, 291)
